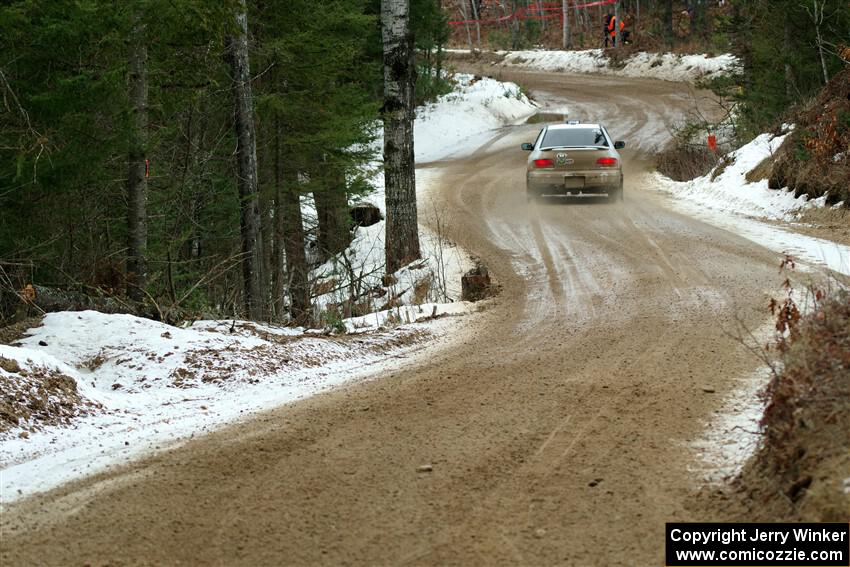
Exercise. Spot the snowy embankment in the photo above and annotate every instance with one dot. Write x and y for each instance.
(725, 198)
(726, 188)
(664, 66)
(460, 122)
(87, 390)
(138, 385)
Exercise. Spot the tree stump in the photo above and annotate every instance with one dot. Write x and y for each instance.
(475, 284)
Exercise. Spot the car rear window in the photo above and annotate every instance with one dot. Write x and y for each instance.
(573, 137)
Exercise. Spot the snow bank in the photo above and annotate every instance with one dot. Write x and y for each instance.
(731, 202)
(461, 121)
(665, 66)
(37, 390)
(730, 191)
(145, 385)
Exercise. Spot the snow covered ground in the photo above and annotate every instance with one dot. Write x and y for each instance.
(665, 66)
(460, 122)
(733, 203)
(142, 386)
(152, 385)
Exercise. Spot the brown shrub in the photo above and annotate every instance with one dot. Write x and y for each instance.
(683, 162)
(799, 471)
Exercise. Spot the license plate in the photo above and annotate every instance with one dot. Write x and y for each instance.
(573, 182)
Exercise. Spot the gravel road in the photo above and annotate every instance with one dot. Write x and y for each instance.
(555, 429)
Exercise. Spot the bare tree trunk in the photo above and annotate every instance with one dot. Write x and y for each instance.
(618, 35)
(402, 231)
(565, 17)
(637, 19)
(137, 183)
(296, 259)
(540, 14)
(290, 261)
(332, 214)
(578, 26)
(668, 21)
(477, 22)
(817, 16)
(279, 256)
(514, 26)
(246, 161)
(463, 14)
(787, 44)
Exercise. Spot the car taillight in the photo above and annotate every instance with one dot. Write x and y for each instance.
(544, 163)
(607, 161)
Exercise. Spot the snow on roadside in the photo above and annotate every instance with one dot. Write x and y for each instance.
(147, 385)
(731, 202)
(458, 123)
(664, 66)
(733, 434)
(730, 191)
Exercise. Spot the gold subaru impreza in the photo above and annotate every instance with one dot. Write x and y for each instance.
(574, 159)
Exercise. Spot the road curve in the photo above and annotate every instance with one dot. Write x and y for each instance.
(557, 426)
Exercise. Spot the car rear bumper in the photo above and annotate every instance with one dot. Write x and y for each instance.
(550, 182)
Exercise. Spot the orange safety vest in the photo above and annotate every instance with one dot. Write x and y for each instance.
(612, 30)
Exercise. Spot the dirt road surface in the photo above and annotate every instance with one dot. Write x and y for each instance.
(556, 427)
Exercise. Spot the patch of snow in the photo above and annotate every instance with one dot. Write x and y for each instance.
(176, 383)
(817, 251)
(458, 123)
(33, 358)
(405, 314)
(359, 271)
(734, 434)
(455, 125)
(665, 66)
(732, 203)
(730, 191)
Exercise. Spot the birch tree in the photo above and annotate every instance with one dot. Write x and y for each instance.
(565, 17)
(477, 17)
(402, 235)
(246, 167)
(137, 183)
(817, 15)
